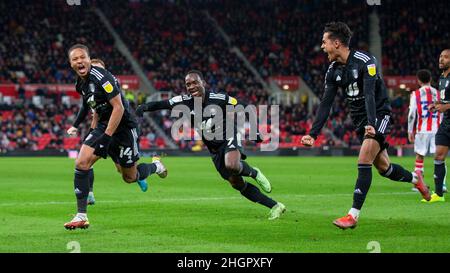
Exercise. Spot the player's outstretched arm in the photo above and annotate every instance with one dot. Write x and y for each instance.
(152, 106)
(442, 107)
(325, 105)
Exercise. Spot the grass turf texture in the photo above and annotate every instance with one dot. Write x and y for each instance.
(194, 210)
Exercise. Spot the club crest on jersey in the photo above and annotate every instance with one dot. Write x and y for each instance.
(355, 73)
(108, 87)
(447, 83)
(91, 87)
(232, 101)
(372, 69)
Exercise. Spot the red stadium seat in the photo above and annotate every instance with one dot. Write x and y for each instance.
(144, 143)
(44, 141)
(7, 115)
(70, 143)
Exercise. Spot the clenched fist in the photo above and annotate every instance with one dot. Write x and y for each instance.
(72, 131)
(308, 140)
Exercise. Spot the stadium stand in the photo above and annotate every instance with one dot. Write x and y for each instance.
(169, 38)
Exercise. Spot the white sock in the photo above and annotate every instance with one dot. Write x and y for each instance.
(82, 216)
(414, 179)
(159, 167)
(354, 213)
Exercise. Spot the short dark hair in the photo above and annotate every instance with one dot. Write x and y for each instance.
(100, 61)
(424, 75)
(339, 31)
(196, 72)
(75, 46)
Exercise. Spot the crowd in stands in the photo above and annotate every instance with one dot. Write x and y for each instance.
(284, 37)
(414, 36)
(37, 127)
(39, 34)
(170, 38)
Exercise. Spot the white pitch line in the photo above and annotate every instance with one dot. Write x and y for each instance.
(191, 199)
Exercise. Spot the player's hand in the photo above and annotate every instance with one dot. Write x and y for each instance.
(102, 145)
(432, 107)
(370, 131)
(72, 131)
(141, 109)
(441, 107)
(308, 140)
(411, 137)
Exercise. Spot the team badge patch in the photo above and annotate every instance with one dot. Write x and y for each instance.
(355, 73)
(372, 69)
(92, 87)
(108, 87)
(232, 101)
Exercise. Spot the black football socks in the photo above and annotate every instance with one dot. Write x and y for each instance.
(246, 170)
(81, 185)
(398, 173)
(253, 194)
(91, 179)
(145, 170)
(439, 175)
(362, 185)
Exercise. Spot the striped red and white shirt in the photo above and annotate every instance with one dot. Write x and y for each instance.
(420, 119)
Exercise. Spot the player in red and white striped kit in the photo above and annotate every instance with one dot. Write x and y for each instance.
(423, 124)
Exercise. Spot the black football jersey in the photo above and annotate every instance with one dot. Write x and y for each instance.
(100, 87)
(363, 87)
(444, 88)
(205, 124)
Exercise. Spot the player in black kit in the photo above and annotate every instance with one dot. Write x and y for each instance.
(356, 73)
(226, 153)
(73, 130)
(443, 134)
(115, 133)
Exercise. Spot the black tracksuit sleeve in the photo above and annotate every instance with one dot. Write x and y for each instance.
(325, 105)
(158, 105)
(82, 113)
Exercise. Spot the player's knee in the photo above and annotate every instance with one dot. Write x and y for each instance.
(82, 164)
(365, 161)
(232, 167)
(382, 167)
(439, 156)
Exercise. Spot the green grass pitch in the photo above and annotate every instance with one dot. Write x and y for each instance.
(194, 210)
